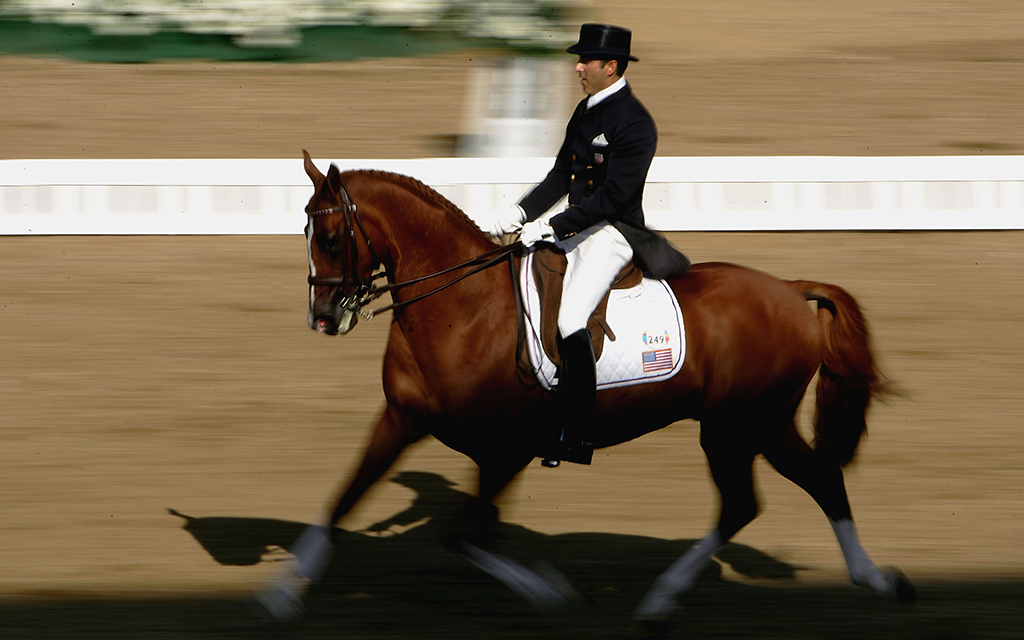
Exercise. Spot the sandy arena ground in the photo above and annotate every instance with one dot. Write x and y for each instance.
(168, 424)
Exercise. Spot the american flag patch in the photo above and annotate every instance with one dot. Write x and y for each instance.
(657, 360)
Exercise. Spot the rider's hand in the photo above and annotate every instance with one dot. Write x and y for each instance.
(536, 231)
(507, 221)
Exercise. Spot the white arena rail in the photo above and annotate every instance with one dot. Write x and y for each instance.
(205, 197)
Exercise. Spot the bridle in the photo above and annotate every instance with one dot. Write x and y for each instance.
(362, 289)
(366, 290)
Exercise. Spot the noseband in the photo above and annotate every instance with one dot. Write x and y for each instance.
(366, 290)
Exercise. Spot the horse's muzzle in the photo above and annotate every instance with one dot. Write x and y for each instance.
(325, 324)
(334, 324)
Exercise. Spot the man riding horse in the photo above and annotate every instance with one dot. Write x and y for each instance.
(602, 165)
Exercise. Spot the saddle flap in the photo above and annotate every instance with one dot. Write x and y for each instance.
(549, 266)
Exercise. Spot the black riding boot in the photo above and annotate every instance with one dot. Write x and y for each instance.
(575, 401)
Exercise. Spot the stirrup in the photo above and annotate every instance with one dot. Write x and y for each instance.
(582, 455)
(555, 453)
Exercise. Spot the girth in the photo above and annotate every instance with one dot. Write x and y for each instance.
(549, 265)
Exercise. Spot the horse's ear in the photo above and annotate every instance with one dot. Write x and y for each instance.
(334, 178)
(311, 170)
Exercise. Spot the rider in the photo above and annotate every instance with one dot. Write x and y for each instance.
(602, 165)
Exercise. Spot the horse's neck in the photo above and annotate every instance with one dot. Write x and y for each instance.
(419, 251)
(423, 238)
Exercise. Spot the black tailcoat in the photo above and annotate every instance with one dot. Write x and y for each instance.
(602, 165)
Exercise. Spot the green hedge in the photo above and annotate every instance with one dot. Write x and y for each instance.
(23, 37)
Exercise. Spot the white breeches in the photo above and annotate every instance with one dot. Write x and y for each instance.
(595, 257)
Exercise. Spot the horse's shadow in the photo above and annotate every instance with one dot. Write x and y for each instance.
(403, 558)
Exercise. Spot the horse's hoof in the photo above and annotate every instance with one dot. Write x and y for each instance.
(280, 604)
(653, 629)
(545, 588)
(569, 592)
(902, 587)
(656, 608)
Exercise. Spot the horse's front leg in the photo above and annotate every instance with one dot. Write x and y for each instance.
(282, 597)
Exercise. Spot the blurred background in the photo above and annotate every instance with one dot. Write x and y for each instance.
(436, 78)
(168, 424)
(509, 103)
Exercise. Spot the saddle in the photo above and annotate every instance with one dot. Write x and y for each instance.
(549, 266)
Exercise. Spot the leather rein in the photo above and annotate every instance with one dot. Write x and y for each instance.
(366, 290)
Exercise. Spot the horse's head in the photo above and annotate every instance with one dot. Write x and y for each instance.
(341, 259)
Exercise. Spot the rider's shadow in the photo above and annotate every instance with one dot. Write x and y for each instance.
(403, 556)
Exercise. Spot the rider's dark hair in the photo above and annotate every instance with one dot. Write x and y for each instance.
(621, 69)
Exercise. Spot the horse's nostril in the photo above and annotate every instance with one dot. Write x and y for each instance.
(325, 324)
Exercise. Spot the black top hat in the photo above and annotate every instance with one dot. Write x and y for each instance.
(603, 42)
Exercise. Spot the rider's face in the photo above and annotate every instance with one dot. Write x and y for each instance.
(595, 75)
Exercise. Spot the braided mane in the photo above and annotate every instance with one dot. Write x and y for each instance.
(425, 192)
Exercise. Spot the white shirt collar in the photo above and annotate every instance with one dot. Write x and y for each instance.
(603, 94)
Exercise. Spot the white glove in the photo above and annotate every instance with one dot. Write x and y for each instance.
(536, 231)
(507, 221)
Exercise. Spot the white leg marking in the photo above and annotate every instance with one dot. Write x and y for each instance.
(863, 571)
(660, 601)
(282, 596)
(312, 551)
(528, 585)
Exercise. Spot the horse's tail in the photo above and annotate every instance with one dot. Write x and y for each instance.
(848, 378)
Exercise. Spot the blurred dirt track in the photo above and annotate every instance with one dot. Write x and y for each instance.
(168, 423)
(780, 77)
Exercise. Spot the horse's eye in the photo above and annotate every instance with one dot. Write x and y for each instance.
(329, 243)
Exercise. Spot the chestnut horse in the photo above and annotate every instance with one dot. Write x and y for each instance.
(450, 370)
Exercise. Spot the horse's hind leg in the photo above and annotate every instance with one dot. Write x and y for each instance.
(312, 550)
(823, 480)
(544, 589)
(495, 473)
(730, 456)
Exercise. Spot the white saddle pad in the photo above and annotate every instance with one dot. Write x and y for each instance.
(649, 343)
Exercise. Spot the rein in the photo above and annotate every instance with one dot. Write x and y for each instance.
(366, 288)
